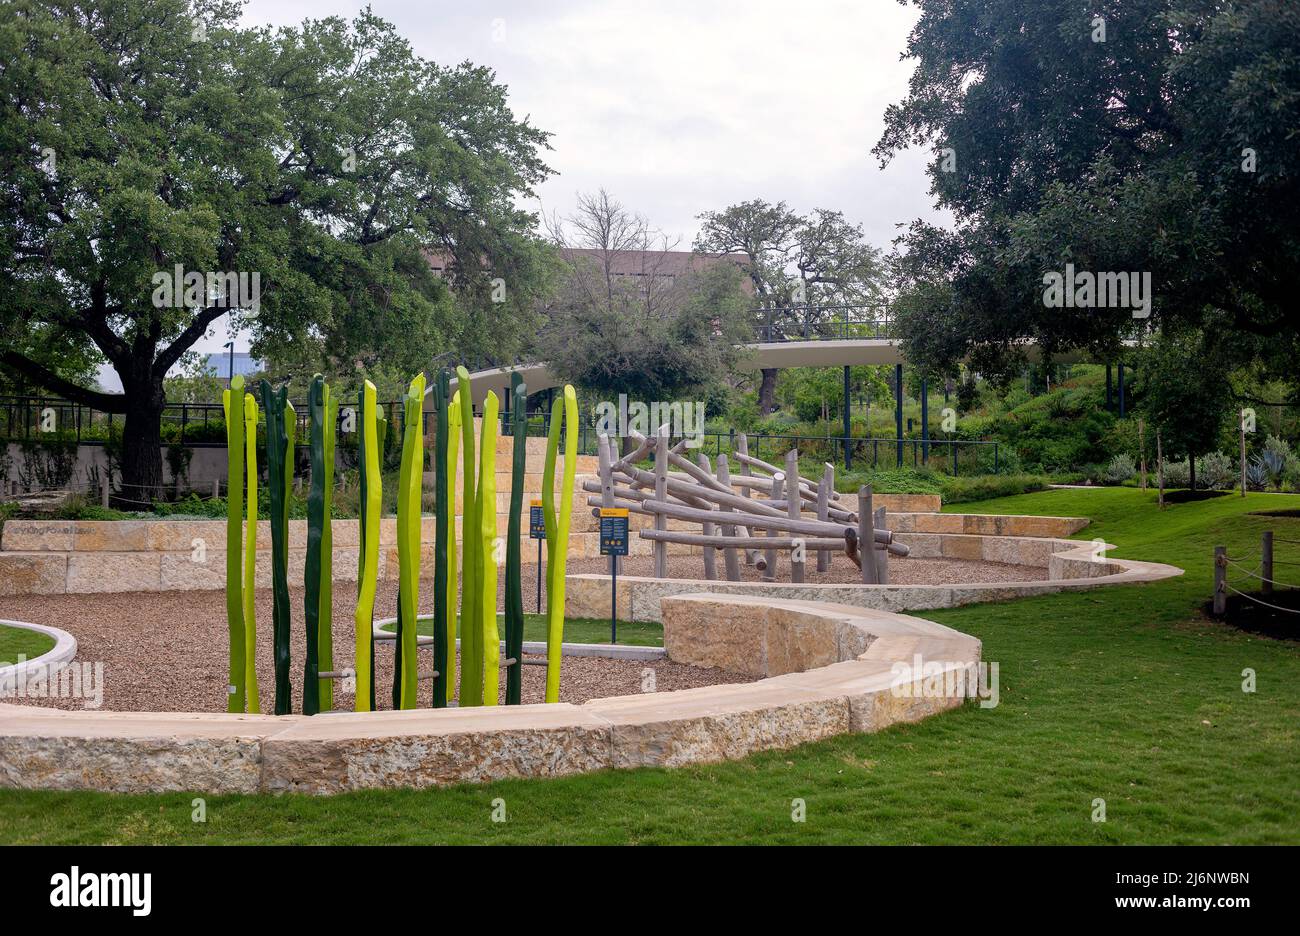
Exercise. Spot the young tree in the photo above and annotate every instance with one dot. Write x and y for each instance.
(1186, 392)
(298, 174)
(632, 315)
(797, 265)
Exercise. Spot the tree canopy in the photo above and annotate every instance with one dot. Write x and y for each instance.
(145, 138)
(670, 324)
(1153, 136)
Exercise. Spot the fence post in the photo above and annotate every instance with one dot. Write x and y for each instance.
(1266, 562)
(1220, 580)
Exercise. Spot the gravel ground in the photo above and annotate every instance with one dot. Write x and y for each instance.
(167, 651)
(842, 571)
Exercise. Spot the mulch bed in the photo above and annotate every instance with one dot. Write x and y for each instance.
(1255, 618)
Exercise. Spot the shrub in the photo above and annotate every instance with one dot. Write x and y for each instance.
(1120, 469)
(1281, 461)
(1214, 471)
(1176, 474)
(984, 487)
(1258, 474)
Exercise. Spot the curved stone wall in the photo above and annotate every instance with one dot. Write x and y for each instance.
(1070, 564)
(829, 670)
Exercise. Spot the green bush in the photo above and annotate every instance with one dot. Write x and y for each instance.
(984, 487)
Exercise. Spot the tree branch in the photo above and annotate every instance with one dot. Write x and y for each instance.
(193, 332)
(105, 402)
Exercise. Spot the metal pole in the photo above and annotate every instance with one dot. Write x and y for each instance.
(848, 451)
(539, 576)
(898, 411)
(925, 421)
(613, 601)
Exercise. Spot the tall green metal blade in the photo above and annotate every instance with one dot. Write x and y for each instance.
(490, 641)
(254, 702)
(444, 522)
(233, 401)
(315, 529)
(514, 597)
(278, 471)
(471, 630)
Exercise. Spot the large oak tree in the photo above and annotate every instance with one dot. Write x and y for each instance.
(137, 136)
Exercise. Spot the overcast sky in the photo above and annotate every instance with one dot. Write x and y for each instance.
(682, 106)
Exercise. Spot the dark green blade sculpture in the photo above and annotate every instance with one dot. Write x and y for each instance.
(273, 401)
(514, 597)
(315, 530)
(442, 534)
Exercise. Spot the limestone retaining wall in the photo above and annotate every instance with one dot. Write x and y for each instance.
(844, 681)
(1069, 563)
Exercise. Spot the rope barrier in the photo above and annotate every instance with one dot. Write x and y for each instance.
(1260, 577)
(1258, 602)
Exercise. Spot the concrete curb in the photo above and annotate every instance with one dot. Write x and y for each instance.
(63, 651)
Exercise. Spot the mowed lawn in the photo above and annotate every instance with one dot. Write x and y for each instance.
(1125, 694)
(19, 641)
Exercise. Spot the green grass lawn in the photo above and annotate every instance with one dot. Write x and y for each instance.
(1126, 694)
(576, 630)
(17, 640)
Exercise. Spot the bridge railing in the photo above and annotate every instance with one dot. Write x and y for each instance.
(821, 323)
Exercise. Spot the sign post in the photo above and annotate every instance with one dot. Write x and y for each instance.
(537, 531)
(613, 542)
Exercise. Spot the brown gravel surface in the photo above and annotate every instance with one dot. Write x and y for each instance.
(842, 571)
(167, 651)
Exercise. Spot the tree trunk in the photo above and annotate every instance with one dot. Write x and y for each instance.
(767, 391)
(142, 444)
(1191, 471)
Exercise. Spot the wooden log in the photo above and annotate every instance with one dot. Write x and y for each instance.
(866, 536)
(834, 514)
(798, 558)
(729, 559)
(643, 448)
(780, 522)
(720, 540)
(703, 497)
(710, 554)
(882, 555)
(823, 511)
(742, 448)
(752, 462)
(661, 494)
(808, 491)
(769, 574)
